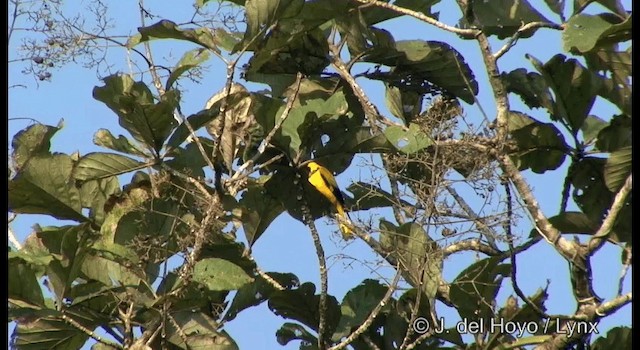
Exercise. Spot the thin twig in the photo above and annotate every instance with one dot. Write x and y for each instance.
(272, 132)
(488, 233)
(374, 313)
(465, 33)
(147, 48)
(89, 332)
(598, 239)
(525, 27)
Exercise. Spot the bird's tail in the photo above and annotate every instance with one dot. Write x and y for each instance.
(343, 220)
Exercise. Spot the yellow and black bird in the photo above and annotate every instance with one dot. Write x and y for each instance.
(323, 181)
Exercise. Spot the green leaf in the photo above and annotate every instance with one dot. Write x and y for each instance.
(51, 332)
(591, 128)
(474, 290)
(357, 306)
(617, 88)
(594, 198)
(572, 222)
(96, 193)
(166, 29)
(112, 265)
(196, 121)
(417, 252)
(616, 338)
(407, 141)
(104, 138)
(293, 331)
(97, 166)
(501, 17)
(262, 14)
(612, 5)
(256, 292)
(27, 292)
(257, 210)
(575, 89)
(45, 186)
(302, 305)
(426, 67)
(584, 32)
(148, 122)
(368, 196)
(617, 168)
(32, 141)
(541, 146)
(530, 86)
(616, 135)
(198, 331)
(405, 105)
(189, 60)
(219, 274)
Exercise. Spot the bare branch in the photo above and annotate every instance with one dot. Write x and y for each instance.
(465, 33)
(471, 244)
(488, 233)
(598, 239)
(324, 280)
(524, 28)
(625, 267)
(566, 248)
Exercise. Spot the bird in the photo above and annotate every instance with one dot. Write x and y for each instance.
(323, 181)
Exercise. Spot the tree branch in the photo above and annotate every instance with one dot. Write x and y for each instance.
(322, 262)
(598, 239)
(470, 244)
(523, 28)
(465, 33)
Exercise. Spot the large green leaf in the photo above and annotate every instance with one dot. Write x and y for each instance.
(301, 304)
(409, 140)
(98, 165)
(104, 138)
(575, 89)
(31, 141)
(147, 121)
(357, 306)
(474, 290)
(95, 194)
(418, 253)
(191, 59)
(292, 331)
(166, 29)
(591, 128)
(616, 338)
(530, 86)
(594, 198)
(262, 14)
(257, 210)
(584, 32)
(541, 146)
(368, 196)
(500, 17)
(52, 332)
(617, 168)
(616, 135)
(45, 186)
(617, 87)
(258, 291)
(425, 67)
(197, 331)
(25, 289)
(219, 274)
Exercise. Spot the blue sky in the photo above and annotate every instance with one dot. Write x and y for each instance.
(287, 245)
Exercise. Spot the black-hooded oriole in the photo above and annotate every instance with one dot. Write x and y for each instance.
(323, 181)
